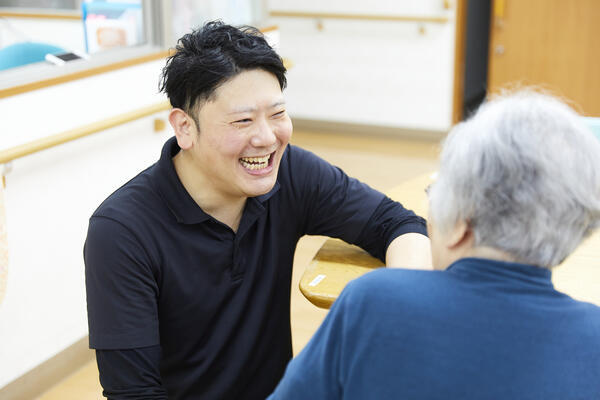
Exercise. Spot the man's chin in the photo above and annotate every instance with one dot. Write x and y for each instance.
(258, 190)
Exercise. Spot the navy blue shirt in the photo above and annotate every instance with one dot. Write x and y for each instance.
(482, 329)
(180, 304)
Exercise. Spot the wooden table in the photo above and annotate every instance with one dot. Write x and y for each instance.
(337, 262)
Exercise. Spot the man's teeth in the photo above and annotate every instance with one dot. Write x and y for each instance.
(255, 162)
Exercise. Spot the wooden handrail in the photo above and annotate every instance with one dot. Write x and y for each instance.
(77, 133)
(38, 15)
(269, 28)
(363, 17)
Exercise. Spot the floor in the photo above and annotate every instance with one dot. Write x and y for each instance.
(381, 161)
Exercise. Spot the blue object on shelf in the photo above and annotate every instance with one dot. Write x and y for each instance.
(593, 124)
(23, 53)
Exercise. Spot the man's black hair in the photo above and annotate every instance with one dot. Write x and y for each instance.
(210, 56)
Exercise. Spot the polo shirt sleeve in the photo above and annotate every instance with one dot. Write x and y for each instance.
(131, 374)
(122, 291)
(389, 220)
(337, 205)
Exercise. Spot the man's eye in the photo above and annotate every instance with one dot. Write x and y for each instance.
(243, 121)
(279, 114)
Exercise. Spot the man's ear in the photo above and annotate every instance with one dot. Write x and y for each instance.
(460, 236)
(184, 127)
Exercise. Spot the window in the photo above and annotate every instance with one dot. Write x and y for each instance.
(108, 31)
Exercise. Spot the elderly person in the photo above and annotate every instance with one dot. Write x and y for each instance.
(518, 189)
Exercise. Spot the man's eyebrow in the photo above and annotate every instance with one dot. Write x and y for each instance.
(242, 110)
(278, 103)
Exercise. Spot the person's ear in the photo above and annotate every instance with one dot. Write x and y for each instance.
(184, 127)
(461, 236)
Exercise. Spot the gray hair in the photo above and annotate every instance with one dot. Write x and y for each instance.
(524, 172)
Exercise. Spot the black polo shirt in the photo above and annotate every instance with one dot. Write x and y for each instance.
(207, 307)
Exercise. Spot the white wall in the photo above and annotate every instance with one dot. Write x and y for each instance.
(385, 73)
(190, 14)
(392, 7)
(50, 196)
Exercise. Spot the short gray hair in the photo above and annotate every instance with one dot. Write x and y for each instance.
(524, 172)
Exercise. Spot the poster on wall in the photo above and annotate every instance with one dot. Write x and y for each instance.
(111, 24)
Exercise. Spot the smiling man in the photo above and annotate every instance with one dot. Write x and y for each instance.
(188, 265)
(245, 130)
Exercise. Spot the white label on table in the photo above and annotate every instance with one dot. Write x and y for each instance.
(317, 280)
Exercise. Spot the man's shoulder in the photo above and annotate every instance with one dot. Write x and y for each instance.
(299, 164)
(295, 165)
(295, 154)
(130, 199)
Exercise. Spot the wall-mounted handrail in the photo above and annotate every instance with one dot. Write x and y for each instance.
(76, 15)
(80, 132)
(364, 17)
(269, 28)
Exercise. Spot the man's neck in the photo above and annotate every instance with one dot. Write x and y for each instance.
(226, 209)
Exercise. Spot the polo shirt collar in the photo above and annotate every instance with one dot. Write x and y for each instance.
(264, 197)
(179, 201)
(480, 268)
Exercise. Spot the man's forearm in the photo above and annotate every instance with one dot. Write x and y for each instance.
(410, 250)
(131, 374)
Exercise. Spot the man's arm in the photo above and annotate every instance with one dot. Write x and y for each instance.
(122, 311)
(397, 236)
(131, 374)
(410, 250)
(340, 206)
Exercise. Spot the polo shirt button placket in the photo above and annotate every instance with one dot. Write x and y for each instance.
(237, 266)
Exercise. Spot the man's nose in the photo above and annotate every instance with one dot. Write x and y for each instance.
(264, 136)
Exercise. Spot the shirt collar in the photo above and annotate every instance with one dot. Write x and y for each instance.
(179, 201)
(264, 197)
(493, 269)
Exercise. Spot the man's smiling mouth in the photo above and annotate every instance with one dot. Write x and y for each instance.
(255, 163)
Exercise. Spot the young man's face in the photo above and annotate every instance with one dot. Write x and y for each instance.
(244, 130)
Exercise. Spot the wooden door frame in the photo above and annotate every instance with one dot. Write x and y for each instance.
(459, 60)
